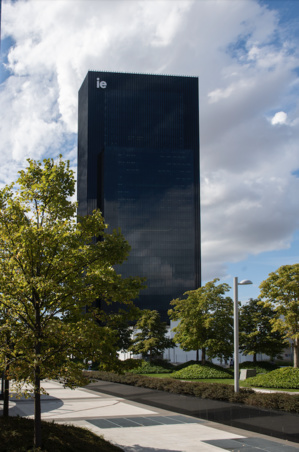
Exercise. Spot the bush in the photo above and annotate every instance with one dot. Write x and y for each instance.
(191, 362)
(276, 401)
(261, 367)
(197, 371)
(214, 391)
(129, 364)
(186, 364)
(287, 378)
(149, 368)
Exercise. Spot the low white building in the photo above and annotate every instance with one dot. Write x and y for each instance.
(176, 355)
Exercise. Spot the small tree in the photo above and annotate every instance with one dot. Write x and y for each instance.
(51, 266)
(120, 327)
(256, 335)
(220, 341)
(205, 321)
(150, 339)
(281, 292)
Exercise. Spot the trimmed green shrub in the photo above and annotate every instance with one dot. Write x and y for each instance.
(261, 367)
(186, 364)
(129, 364)
(274, 401)
(196, 371)
(215, 391)
(149, 368)
(191, 362)
(287, 378)
(204, 390)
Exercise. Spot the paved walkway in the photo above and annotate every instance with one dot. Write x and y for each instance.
(278, 424)
(136, 427)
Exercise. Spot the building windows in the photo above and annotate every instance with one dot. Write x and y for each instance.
(138, 155)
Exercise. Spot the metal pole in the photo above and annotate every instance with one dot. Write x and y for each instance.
(236, 336)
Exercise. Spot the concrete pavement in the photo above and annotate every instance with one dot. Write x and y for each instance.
(136, 427)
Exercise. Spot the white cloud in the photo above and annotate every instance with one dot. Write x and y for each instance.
(234, 89)
(246, 66)
(279, 118)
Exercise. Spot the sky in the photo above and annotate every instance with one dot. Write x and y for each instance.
(246, 55)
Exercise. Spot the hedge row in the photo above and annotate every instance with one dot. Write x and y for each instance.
(287, 378)
(213, 391)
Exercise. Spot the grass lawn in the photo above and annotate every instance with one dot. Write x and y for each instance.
(16, 435)
(225, 381)
(228, 381)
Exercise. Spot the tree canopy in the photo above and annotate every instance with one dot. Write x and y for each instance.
(150, 338)
(256, 334)
(281, 292)
(51, 267)
(205, 318)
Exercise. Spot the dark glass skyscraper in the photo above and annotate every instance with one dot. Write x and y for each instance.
(138, 161)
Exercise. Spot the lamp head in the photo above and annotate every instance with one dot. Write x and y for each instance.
(245, 282)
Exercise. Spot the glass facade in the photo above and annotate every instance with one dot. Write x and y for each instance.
(138, 161)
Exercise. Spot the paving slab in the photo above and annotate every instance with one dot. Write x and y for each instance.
(278, 424)
(138, 427)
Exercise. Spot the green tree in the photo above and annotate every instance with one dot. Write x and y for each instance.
(120, 327)
(121, 323)
(281, 292)
(256, 335)
(205, 318)
(150, 339)
(51, 267)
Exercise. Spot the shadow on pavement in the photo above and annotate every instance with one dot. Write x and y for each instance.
(279, 424)
(25, 407)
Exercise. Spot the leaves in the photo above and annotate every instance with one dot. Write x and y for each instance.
(196, 371)
(286, 377)
(205, 320)
(150, 337)
(256, 330)
(52, 269)
(281, 292)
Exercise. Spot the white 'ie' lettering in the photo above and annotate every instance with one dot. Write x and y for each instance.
(101, 84)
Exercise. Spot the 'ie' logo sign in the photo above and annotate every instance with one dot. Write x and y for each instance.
(101, 84)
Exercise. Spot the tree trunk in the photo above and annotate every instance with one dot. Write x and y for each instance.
(6, 381)
(203, 356)
(37, 409)
(254, 357)
(6, 394)
(197, 355)
(37, 376)
(296, 354)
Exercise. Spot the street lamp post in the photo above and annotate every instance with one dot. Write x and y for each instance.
(236, 330)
